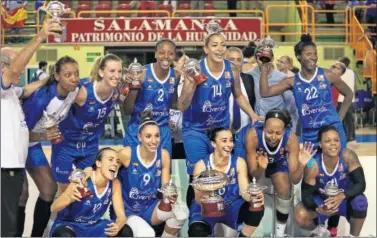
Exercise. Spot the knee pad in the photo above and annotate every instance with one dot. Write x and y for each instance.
(283, 205)
(199, 229)
(126, 231)
(175, 223)
(359, 206)
(252, 218)
(63, 231)
(163, 216)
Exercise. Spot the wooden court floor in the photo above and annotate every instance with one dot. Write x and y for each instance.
(366, 151)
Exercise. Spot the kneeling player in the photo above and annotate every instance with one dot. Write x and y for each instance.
(81, 216)
(343, 170)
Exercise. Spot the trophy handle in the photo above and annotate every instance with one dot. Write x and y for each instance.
(341, 190)
(263, 187)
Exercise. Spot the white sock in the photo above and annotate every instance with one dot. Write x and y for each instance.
(165, 234)
(280, 229)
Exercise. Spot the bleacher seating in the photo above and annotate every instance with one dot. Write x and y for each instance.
(124, 6)
(167, 7)
(103, 6)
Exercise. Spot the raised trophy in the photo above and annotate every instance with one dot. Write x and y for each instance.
(192, 69)
(265, 45)
(49, 122)
(254, 189)
(167, 190)
(331, 190)
(136, 70)
(77, 176)
(56, 9)
(210, 181)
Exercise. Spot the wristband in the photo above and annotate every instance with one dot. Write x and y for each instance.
(310, 163)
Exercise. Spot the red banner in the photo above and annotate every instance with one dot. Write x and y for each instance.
(149, 30)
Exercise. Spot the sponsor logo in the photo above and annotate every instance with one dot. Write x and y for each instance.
(134, 194)
(91, 109)
(134, 171)
(232, 172)
(65, 172)
(340, 168)
(227, 75)
(158, 163)
(207, 107)
(306, 110)
(322, 85)
(149, 88)
(87, 202)
(211, 121)
(172, 80)
(321, 174)
(135, 164)
(320, 77)
(150, 80)
(158, 173)
(92, 102)
(171, 90)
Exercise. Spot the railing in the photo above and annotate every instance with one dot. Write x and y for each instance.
(156, 12)
(304, 26)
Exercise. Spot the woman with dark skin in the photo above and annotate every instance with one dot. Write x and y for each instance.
(312, 90)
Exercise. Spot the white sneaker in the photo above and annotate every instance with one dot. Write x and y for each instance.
(320, 231)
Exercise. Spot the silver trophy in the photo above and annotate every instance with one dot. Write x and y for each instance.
(168, 190)
(210, 181)
(135, 69)
(331, 189)
(254, 189)
(49, 122)
(56, 9)
(77, 176)
(192, 69)
(265, 47)
(213, 27)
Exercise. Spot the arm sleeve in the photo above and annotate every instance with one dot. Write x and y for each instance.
(307, 191)
(34, 106)
(358, 183)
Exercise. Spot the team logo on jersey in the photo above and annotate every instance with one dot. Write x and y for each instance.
(148, 108)
(134, 171)
(92, 102)
(320, 77)
(340, 168)
(172, 80)
(232, 172)
(158, 163)
(158, 173)
(322, 85)
(150, 80)
(91, 109)
(205, 85)
(228, 84)
(227, 75)
(87, 202)
(149, 88)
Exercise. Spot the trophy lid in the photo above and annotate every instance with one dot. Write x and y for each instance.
(76, 175)
(135, 66)
(169, 188)
(213, 27)
(48, 120)
(332, 188)
(267, 42)
(254, 187)
(55, 8)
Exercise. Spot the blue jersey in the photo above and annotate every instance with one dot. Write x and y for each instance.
(46, 99)
(91, 209)
(140, 182)
(339, 175)
(155, 96)
(314, 101)
(279, 152)
(86, 123)
(210, 102)
(231, 192)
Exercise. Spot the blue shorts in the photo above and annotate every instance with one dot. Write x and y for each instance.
(36, 157)
(84, 229)
(66, 154)
(311, 135)
(131, 138)
(230, 219)
(197, 146)
(276, 167)
(342, 210)
(146, 215)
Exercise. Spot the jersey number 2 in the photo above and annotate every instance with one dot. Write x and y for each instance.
(160, 95)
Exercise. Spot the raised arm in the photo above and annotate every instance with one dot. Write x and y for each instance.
(188, 91)
(257, 163)
(240, 98)
(129, 102)
(124, 155)
(19, 62)
(276, 89)
(30, 88)
(343, 89)
(297, 159)
(118, 205)
(70, 195)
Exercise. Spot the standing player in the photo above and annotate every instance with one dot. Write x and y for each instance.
(207, 105)
(234, 194)
(82, 217)
(147, 168)
(272, 149)
(85, 123)
(337, 166)
(56, 98)
(157, 94)
(312, 91)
